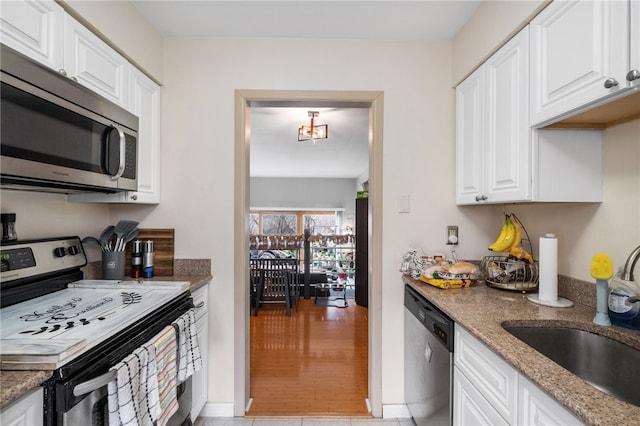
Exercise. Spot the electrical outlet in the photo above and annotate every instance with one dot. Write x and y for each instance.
(452, 235)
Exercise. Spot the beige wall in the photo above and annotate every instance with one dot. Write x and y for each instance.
(201, 76)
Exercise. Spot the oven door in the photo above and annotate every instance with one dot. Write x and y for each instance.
(77, 392)
(93, 410)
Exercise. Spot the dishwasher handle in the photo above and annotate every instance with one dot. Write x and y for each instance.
(425, 311)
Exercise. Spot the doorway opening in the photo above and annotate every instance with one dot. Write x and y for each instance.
(244, 100)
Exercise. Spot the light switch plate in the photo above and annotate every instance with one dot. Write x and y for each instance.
(403, 203)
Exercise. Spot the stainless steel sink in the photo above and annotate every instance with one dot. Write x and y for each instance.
(604, 363)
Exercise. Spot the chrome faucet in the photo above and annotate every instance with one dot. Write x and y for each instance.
(630, 264)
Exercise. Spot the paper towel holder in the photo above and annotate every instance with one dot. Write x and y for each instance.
(554, 301)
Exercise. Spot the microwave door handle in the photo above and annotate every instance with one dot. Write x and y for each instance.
(122, 164)
(93, 384)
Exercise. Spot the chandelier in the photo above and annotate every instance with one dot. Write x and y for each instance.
(313, 131)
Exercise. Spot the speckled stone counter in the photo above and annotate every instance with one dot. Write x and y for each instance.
(16, 383)
(482, 310)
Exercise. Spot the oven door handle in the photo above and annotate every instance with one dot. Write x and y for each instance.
(93, 384)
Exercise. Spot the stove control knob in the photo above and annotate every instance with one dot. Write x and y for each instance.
(60, 252)
(73, 250)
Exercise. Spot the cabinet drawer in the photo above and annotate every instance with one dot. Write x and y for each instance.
(492, 376)
(469, 406)
(200, 301)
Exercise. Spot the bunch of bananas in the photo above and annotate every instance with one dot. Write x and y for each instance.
(510, 240)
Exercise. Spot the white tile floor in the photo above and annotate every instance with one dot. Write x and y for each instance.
(239, 421)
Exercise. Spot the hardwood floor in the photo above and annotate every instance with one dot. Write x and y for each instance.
(314, 363)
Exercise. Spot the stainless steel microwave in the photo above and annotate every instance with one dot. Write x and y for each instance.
(58, 136)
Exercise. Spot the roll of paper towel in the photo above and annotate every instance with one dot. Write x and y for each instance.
(548, 283)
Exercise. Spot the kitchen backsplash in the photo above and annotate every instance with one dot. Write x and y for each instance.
(181, 267)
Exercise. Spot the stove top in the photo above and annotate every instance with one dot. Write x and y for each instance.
(48, 331)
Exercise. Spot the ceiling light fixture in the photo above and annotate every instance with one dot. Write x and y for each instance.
(313, 132)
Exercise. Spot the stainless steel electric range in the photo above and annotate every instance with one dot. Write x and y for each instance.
(52, 319)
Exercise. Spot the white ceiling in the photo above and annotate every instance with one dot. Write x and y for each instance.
(275, 151)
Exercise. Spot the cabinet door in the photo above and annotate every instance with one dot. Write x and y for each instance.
(199, 381)
(507, 147)
(491, 375)
(200, 378)
(538, 409)
(26, 411)
(35, 29)
(145, 103)
(634, 54)
(94, 64)
(576, 46)
(469, 138)
(469, 406)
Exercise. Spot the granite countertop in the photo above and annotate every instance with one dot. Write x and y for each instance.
(17, 383)
(481, 310)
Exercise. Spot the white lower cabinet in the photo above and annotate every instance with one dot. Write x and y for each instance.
(536, 408)
(469, 406)
(26, 411)
(496, 380)
(199, 381)
(488, 391)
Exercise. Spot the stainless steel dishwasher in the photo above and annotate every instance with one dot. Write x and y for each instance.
(428, 361)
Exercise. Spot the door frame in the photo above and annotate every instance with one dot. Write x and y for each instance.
(242, 105)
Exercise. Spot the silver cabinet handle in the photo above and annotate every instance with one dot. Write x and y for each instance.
(200, 305)
(633, 75)
(134, 197)
(481, 197)
(610, 82)
(74, 78)
(63, 72)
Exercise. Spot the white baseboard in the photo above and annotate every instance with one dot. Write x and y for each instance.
(395, 411)
(217, 410)
(389, 411)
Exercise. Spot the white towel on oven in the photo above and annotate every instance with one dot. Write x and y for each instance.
(133, 395)
(189, 358)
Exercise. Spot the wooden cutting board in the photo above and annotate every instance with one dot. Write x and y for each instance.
(163, 246)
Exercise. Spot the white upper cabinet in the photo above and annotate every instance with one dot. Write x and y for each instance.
(34, 29)
(493, 142)
(94, 64)
(144, 101)
(580, 56)
(500, 158)
(42, 30)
